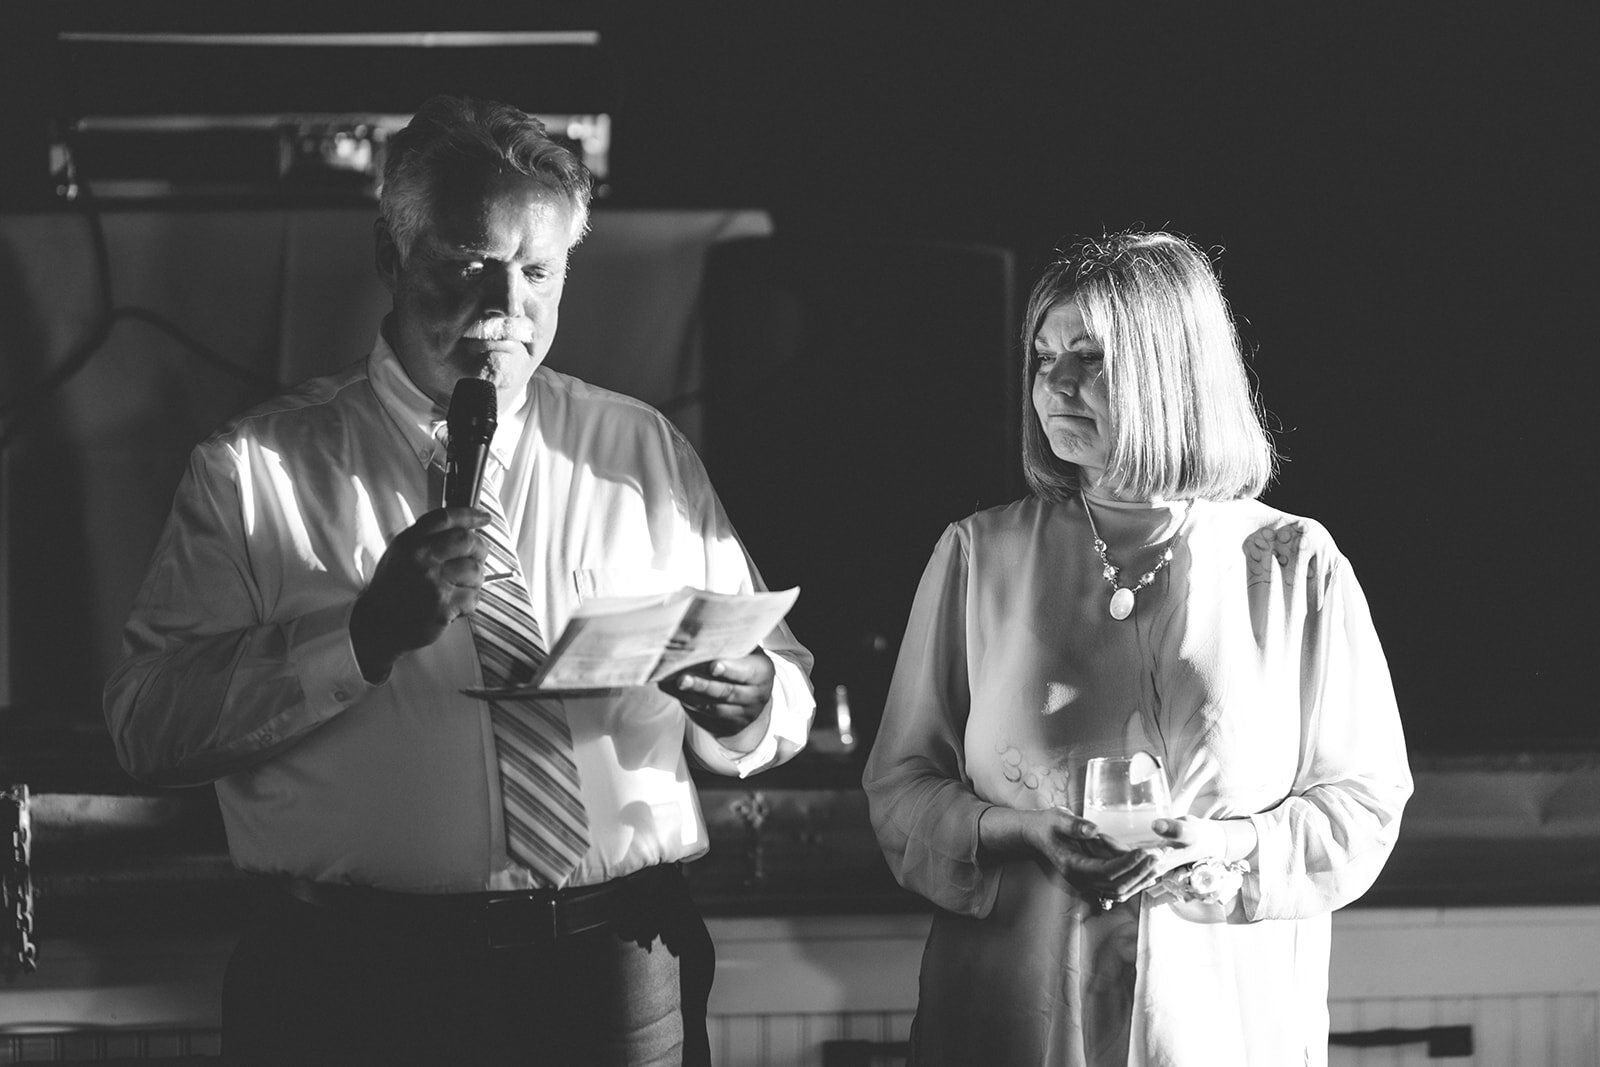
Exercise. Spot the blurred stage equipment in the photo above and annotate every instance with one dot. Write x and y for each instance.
(297, 116)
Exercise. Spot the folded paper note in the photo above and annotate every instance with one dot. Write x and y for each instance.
(613, 642)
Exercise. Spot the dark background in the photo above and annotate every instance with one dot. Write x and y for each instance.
(1399, 198)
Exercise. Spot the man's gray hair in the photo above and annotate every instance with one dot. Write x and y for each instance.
(456, 135)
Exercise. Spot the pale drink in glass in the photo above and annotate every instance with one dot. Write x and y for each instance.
(1123, 795)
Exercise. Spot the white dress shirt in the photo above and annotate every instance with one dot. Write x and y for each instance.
(238, 666)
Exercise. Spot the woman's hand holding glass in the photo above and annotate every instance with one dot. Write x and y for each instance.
(1189, 839)
(1102, 868)
(1095, 865)
(1127, 800)
(1126, 839)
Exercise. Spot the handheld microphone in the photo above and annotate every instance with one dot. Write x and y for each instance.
(470, 424)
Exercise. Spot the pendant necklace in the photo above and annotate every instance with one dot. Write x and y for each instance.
(1121, 605)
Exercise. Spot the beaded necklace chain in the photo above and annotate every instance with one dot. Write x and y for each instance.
(1121, 605)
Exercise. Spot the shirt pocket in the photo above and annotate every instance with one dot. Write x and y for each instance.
(622, 581)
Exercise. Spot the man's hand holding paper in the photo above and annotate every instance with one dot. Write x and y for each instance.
(723, 695)
(698, 646)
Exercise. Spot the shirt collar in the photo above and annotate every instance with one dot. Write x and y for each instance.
(421, 421)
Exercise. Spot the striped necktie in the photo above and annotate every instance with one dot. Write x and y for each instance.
(547, 829)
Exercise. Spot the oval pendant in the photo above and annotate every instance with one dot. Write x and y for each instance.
(1121, 604)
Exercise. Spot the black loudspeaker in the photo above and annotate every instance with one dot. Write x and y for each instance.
(858, 398)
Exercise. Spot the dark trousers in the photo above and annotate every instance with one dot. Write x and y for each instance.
(308, 986)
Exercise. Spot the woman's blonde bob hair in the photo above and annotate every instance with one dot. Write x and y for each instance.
(1185, 423)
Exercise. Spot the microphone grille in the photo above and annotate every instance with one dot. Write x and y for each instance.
(473, 408)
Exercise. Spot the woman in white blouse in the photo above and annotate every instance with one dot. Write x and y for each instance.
(1141, 602)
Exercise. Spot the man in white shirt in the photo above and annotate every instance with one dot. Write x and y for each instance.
(312, 616)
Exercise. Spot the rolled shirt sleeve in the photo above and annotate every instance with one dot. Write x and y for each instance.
(207, 686)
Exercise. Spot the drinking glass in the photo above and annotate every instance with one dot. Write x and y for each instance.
(1123, 795)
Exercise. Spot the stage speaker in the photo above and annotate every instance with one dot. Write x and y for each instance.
(858, 397)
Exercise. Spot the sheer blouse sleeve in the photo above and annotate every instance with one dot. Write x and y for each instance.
(1325, 844)
(923, 807)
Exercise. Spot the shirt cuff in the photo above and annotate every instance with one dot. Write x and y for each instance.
(325, 660)
(723, 759)
(747, 763)
(1257, 897)
(787, 716)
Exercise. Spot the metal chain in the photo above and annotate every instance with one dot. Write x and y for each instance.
(1113, 573)
(18, 954)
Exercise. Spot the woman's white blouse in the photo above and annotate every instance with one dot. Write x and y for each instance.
(1249, 666)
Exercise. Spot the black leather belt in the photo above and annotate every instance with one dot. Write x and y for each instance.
(500, 920)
